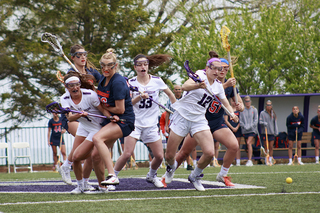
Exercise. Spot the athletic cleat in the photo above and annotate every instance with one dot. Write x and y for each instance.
(88, 187)
(155, 180)
(111, 187)
(163, 181)
(197, 182)
(65, 174)
(110, 180)
(300, 163)
(317, 162)
(77, 190)
(189, 167)
(169, 175)
(224, 179)
(249, 163)
(290, 164)
(98, 190)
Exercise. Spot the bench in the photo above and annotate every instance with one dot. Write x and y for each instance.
(277, 152)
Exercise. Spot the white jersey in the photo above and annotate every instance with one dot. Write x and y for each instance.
(147, 112)
(88, 103)
(194, 104)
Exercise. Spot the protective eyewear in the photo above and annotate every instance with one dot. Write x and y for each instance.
(269, 104)
(215, 68)
(225, 68)
(141, 63)
(108, 66)
(71, 85)
(247, 101)
(79, 54)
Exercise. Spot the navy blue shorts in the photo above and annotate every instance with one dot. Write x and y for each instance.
(216, 125)
(121, 140)
(316, 136)
(126, 127)
(238, 133)
(292, 137)
(57, 143)
(270, 138)
(249, 134)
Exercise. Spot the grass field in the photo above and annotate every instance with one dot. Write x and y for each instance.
(302, 195)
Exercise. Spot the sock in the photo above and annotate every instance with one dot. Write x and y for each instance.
(67, 163)
(174, 166)
(86, 180)
(270, 159)
(238, 161)
(152, 172)
(116, 172)
(196, 172)
(299, 160)
(224, 171)
(185, 164)
(82, 165)
(80, 183)
(317, 158)
(266, 159)
(290, 160)
(194, 163)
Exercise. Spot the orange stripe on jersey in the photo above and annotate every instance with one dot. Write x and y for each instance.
(103, 94)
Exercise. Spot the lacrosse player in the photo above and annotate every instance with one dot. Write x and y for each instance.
(146, 113)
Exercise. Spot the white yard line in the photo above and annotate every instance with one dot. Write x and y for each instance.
(156, 198)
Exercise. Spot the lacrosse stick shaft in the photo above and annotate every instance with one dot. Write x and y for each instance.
(69, 62)
(267, 142)
(232, 76)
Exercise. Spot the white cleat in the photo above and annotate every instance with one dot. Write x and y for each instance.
(197, 182)
(110, 180)
(65, 174)
(155, 180)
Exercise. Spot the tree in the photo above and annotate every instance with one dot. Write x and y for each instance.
(128, 26)
(276, 53)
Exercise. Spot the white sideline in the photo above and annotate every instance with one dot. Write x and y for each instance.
(155, 198)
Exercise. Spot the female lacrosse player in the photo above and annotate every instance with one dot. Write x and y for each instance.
(235, 128)
(87, 101)
(55, 139)
(295, 121)
(268, 121)
(315, 125)
(189, 117)
(146, 113)
(84, 66)
(114, 95)
(218, 128)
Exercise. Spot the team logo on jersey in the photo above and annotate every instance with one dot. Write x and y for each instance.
(103, 94)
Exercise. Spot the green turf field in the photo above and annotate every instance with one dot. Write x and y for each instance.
(302, 195)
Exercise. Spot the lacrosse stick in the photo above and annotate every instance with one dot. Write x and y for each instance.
(267, 143)
(56, 108)
(53, 41)
(295, 158)
(197, 79)
(135, 89)
(60, 76)
(262, 150)
(224, 37)
(133, 164)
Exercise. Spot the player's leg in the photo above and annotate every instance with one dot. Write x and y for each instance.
(250, 142)
(299, 152)
(238, 156)
(316, 151)
(55, 158)
(188, 145)
(290, 147)
(129, 145)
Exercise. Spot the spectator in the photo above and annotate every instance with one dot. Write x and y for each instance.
(315, 125)
(269, 127)
(248, 124)
(55, 139)
(295, 121)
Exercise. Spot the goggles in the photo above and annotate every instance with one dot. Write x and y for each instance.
(79, 54)
(211, 66)
(108, 66)
(72, 85)
(142, 62)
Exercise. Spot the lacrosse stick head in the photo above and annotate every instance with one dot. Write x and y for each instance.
(224, 37)
(60, 77)
(55, 107)
(191, 74)
(53, 41)
(262, 152)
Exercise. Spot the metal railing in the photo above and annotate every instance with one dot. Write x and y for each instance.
(41, 153)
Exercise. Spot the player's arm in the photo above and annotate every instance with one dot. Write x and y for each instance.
(119, 107)
(170, 95)
(49, 134)
(104, 111)
(191, 85)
